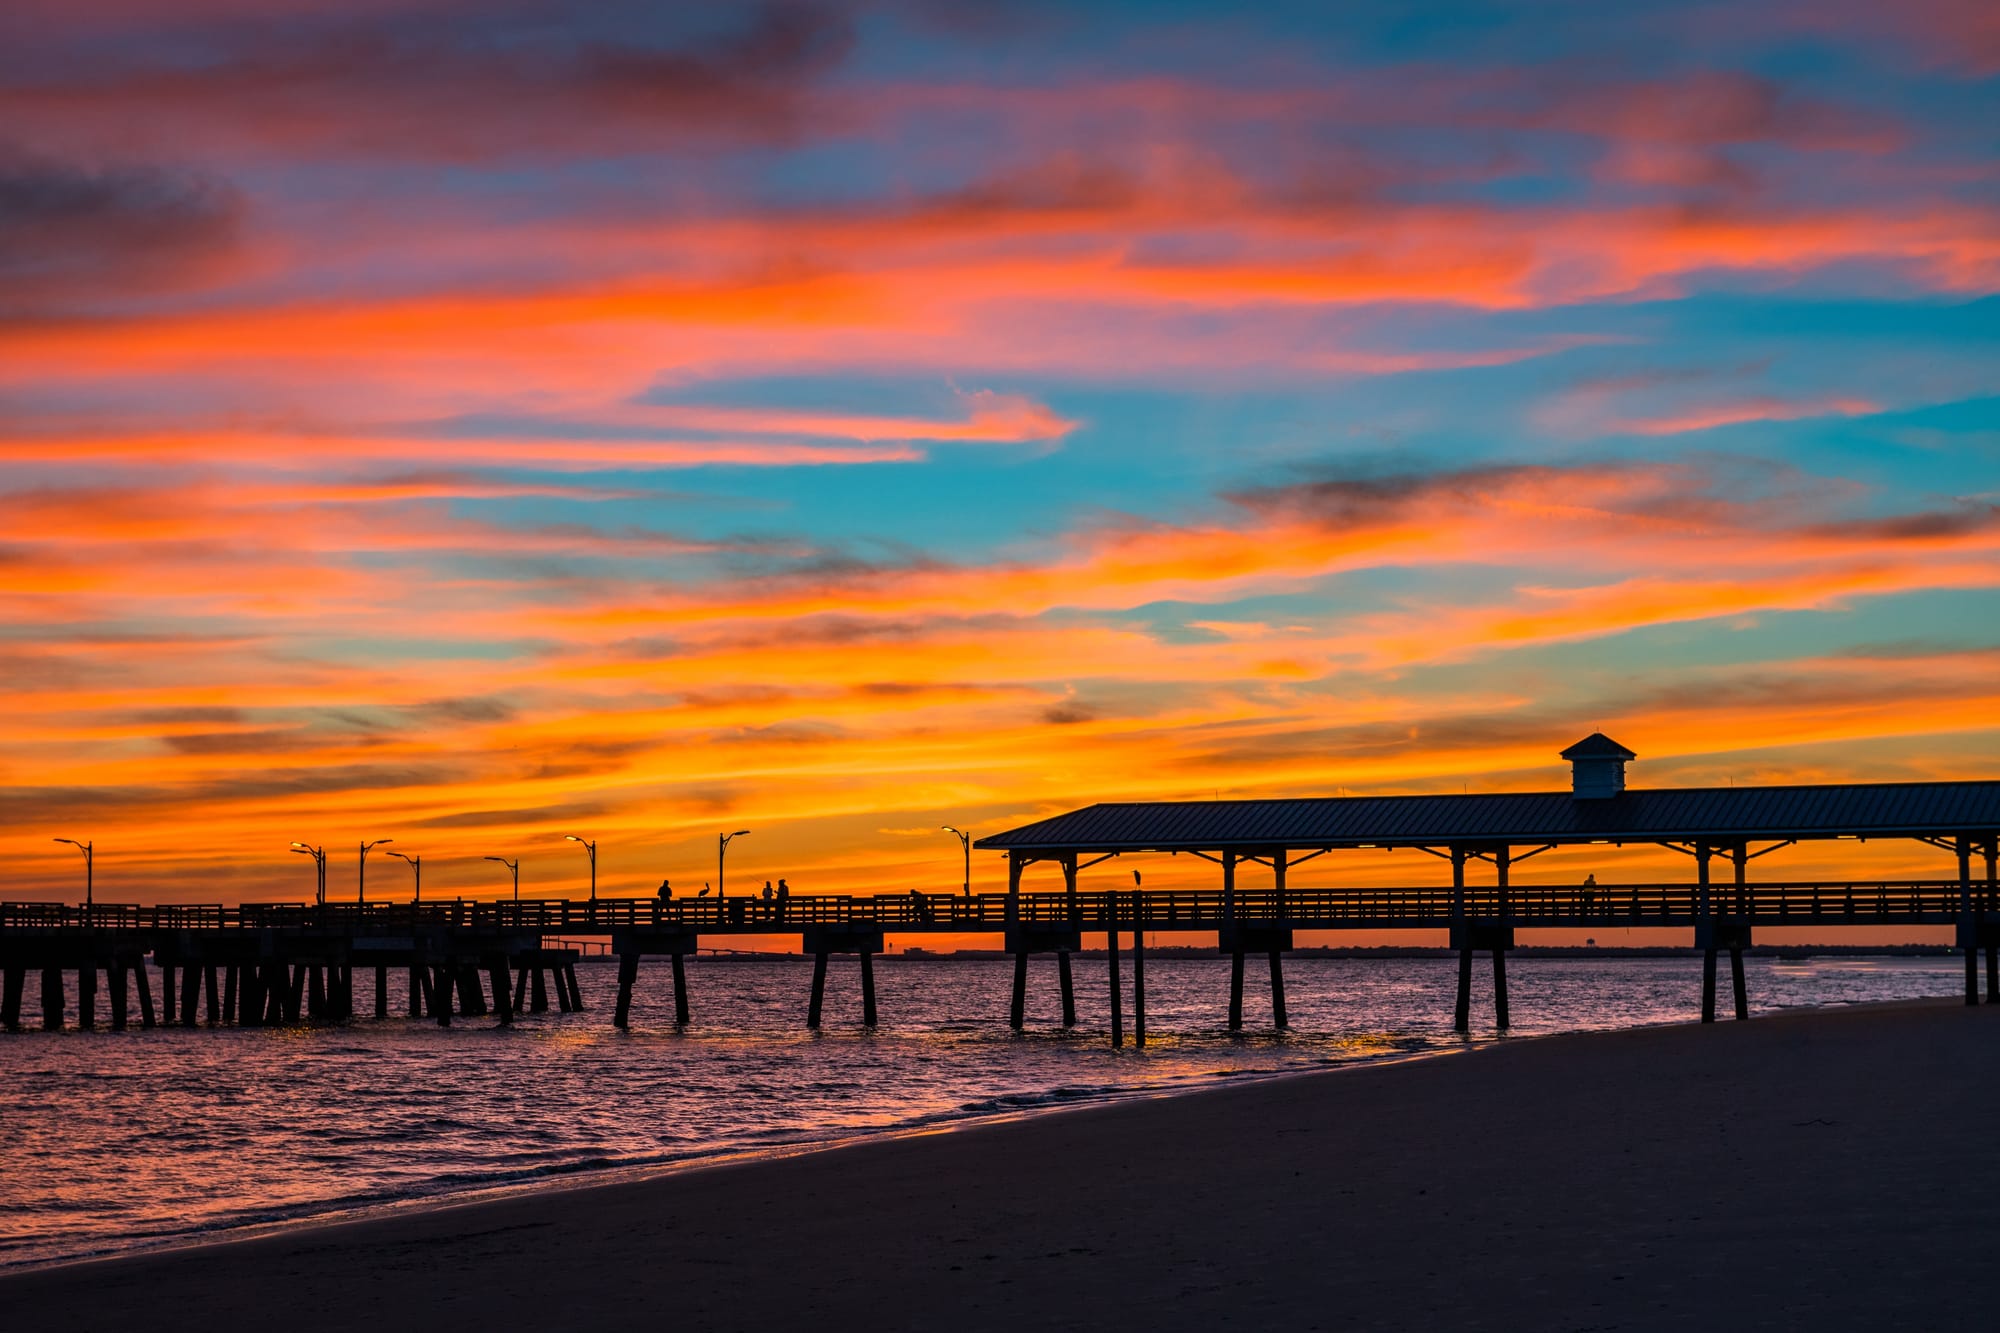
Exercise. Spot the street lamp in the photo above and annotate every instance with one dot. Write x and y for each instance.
(318, 854)
(965, 841)
(515, 866)
(361, 875)
(722, 842)
(590, 847)
(416, 864)
(89, 868)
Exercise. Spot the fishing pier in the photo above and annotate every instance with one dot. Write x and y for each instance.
(258, 964)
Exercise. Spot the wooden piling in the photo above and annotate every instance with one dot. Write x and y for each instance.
(231, 984)
(120, 995)
(1138, 970)
(503, 994)
(628, 972)
(1236, 990)
(145, 994)
(167, 1015)
(315, 993)
(439, 998)
(1017, 1010)
(818, 990)
(86, 997)
(10, 996)
(277, 991)
(539, 989)
(471, 995)
(1708, 984)
(1117, 982)
(1966, 919)
(1279, 1018)
(190, 994)
(680, 991)
(52, 999)
(867, 989)
(295, 993)
(381, 993)
(416, 992)
(1068, 988)
(575, 993)
(1461, 1020)
(1500, 987)
(250, 996)
(214, 989)
(1736, 983)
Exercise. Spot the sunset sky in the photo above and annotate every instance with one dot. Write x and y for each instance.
(476, 423)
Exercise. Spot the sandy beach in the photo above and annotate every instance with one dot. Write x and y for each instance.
(1829, 1169)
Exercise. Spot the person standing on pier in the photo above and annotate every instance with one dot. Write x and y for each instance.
(666, 895)
(784, 895)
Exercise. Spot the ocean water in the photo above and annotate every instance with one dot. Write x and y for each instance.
(119, 1140)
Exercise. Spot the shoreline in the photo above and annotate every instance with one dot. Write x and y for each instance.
(592, 1228)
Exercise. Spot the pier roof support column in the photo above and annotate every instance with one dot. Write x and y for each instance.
(1014, 864)
(1966, 929)
(1461, 1021)
(1501, 859)
(1988, 904)
(1138, 968)
(1739, 857)
(1236, 950)
(1705, 931)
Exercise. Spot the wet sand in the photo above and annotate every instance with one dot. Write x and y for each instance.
(1831, 1169)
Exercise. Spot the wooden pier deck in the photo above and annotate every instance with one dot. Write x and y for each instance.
(272, 963)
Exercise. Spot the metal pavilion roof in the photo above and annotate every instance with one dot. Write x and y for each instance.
(1900, 809)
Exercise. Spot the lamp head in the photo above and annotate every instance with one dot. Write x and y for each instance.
(739, 833)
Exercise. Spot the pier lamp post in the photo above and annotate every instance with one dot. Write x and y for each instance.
(89, 868)
(965, 842)
(416, 864)
(590, 847)
(515, 866)
(361, 875)
(722, 842)
(318, 854)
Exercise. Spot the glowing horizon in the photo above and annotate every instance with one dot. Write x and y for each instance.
(474, 425)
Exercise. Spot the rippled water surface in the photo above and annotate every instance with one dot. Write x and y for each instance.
(119, 1139)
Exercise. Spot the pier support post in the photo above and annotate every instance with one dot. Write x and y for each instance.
(1704, 915)
(680, 991)
(628, 972)
(315, 994)
(167, 1015)
(86, 997)
(1018, 1008)
(190, 994)
(120, 996)
(416, 992)
(440, 996)
(575, 995)
(503, 994)
(818, 990)
(1067, 986)
(214, 990)
(1966, 920)
(1279, 1017)
(1736, 982)
(1139, 970)
(1502, 864)
(145, 994)
(277, 991)
(249, 996)
(471, 996)
(1117, 982)
(1461, 1021)
(231, 982)
(1236, 990)
(521, 989)
(538, 989)
(52, 999)
(381, 993)
(867, 989)
(10, 997)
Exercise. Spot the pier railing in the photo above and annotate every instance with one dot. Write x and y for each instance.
(1334, 908)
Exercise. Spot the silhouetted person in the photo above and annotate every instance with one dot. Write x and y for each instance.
(1589, 892)
(666, 895)
(921, 905)
(770, 898)
(784, 891)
